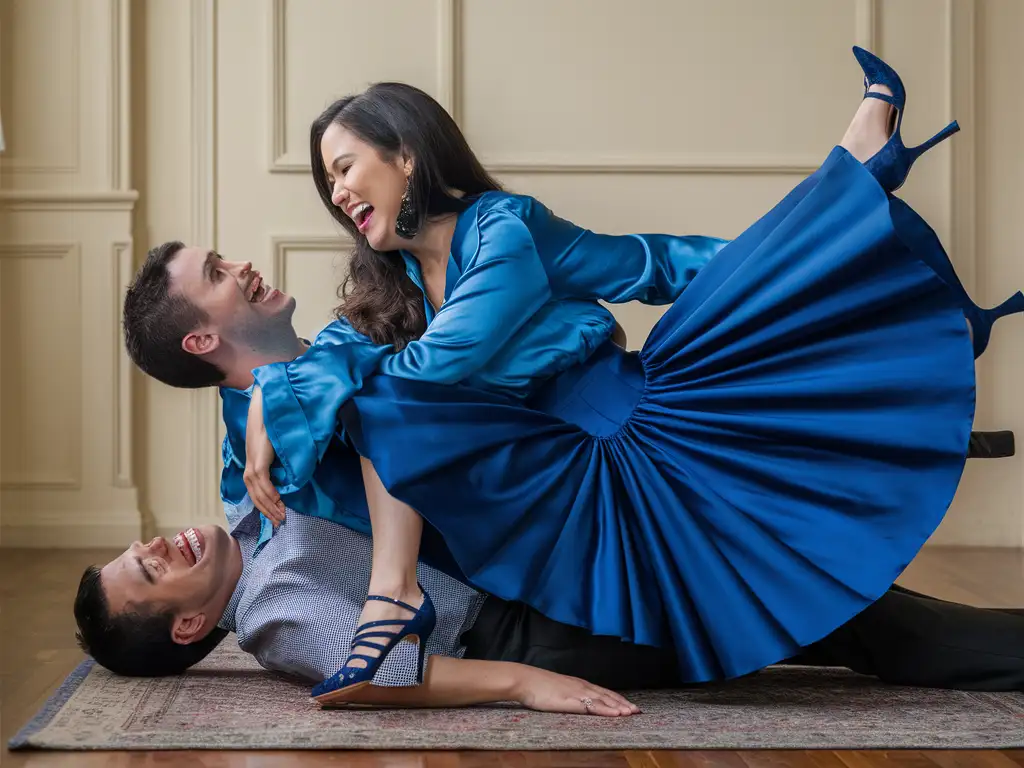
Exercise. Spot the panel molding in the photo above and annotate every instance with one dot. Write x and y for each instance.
(962, 202)
(282, 246)
(34, 166)
(449, 57)
(68, 478)
(449, 95)
(868, 16)
(279, 161)
(203, 481)
(676, 164)
(120, 93)
(27, 201)
(278, 133)
(121, 273)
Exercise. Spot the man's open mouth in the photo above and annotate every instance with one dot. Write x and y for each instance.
(190, 544)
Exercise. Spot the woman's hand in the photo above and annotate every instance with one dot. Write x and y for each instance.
(259, 455)
(550, 692)
(619, 336)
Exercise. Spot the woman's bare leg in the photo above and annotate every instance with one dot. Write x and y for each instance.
(397, 529)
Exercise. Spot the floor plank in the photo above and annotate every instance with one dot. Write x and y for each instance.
(37, 632)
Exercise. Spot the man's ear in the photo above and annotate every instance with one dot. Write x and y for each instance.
(200, 343)
(188, 629)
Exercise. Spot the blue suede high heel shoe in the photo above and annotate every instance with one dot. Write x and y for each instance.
(349, 679)
(891, 164)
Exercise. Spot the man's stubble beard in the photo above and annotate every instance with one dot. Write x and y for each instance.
(274, 337)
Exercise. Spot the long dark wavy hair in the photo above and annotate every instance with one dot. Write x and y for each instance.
(378, 297)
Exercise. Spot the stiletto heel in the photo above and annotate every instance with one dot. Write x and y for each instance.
(349, 679)
(892, 163)
(983, 319)
(922, 240)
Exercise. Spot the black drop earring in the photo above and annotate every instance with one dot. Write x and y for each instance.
(406, 224)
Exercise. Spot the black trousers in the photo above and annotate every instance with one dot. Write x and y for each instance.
(904, 638)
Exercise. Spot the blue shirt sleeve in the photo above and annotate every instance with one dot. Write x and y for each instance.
(301, 399)
(504, 285)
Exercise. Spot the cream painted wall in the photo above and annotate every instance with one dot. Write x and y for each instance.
(67, 439)
(689, 117)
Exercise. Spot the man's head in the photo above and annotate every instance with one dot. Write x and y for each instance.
(193, 319)
(154, 609)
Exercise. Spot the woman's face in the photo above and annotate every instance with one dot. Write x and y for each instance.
(365, 186)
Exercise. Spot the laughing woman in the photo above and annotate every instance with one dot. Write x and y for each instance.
(791, 433)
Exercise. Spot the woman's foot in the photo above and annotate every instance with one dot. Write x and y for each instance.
(379, 610)
(871, 127)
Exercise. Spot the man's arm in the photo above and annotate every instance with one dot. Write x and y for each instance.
(451, 682)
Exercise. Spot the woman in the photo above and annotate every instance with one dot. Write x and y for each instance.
(737, 490)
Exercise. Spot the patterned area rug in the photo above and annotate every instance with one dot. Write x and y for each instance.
(228, 702)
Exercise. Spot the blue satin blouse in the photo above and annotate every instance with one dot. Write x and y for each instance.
(521, 305)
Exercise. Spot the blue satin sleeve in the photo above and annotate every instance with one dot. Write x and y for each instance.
(504, 285)
(301, 399)
(652, 269)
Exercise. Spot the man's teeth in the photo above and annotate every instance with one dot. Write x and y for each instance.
(193, 541)
(261, 291)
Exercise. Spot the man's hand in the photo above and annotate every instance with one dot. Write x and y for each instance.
(259, 455)
(550, 692)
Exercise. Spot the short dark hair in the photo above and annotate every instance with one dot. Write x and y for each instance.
(136, 642)
(155, 322)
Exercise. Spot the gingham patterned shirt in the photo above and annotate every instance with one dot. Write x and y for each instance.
(298, 601)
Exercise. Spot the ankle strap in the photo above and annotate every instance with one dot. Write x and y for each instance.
(881, 97)
(392, 600)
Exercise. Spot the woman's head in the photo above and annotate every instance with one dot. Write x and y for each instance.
(367, 152)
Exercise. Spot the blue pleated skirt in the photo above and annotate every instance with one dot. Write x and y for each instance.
(791, 433)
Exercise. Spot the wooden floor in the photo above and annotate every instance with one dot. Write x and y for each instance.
(38, 650)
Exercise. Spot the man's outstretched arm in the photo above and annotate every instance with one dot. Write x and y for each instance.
(451, 682)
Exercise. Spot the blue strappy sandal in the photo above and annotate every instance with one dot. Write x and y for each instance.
(416, 629)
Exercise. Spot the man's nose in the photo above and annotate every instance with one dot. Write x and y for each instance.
(156, 546)
(240, 268)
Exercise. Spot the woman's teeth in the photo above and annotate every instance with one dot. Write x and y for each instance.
(362, 215)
